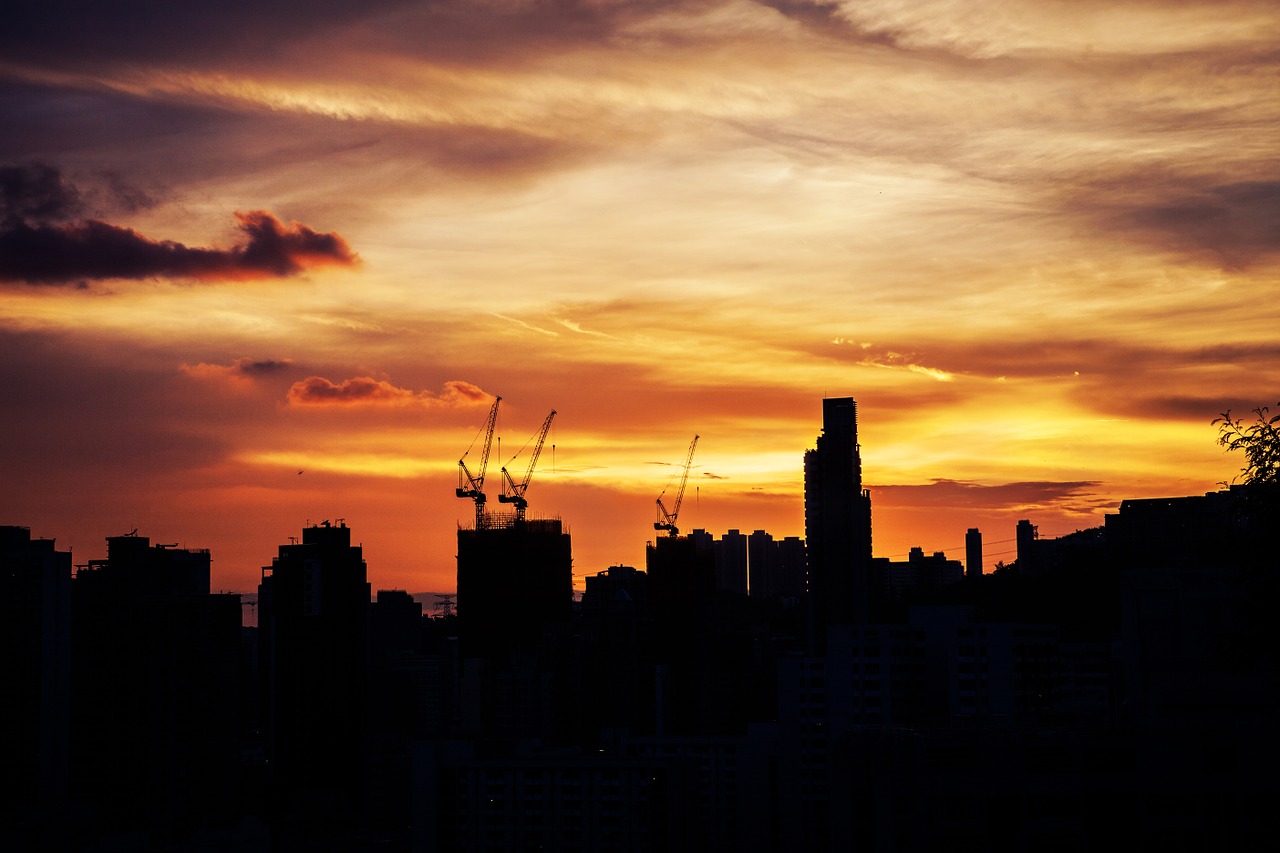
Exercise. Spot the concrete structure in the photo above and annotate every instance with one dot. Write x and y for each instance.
(515, 580)
(973, 552)
(35, 655)
(155, 689)
(837, 523)
(313, 605)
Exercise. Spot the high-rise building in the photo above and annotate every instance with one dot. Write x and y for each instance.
(973, 552)
(313, 605)
(155, 688)
(761, 559)
(35, 656)
(788, 573)
(837, 523)
(1028, 537)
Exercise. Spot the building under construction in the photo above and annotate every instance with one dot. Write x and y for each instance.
(515, 573)
(515, 579)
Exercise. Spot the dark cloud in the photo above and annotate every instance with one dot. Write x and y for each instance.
(1238, 223)
(260, 368)
(1087, 360)
(91, 249)
(1189, 408)
(72, 32)
(1234, 224)
(241, 370)
(36, 192)
(125, 196)
(951, 494)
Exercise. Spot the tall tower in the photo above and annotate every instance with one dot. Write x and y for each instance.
(973, 552)
(1027, 534)
(837, 523)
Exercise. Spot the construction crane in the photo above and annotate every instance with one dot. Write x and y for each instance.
(472, 485)
(667, 520)
(512, 492)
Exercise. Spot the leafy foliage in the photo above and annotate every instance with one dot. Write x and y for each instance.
(1260, 441)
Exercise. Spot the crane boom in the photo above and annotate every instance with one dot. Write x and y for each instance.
(513, 492)
(472, 485)
(667, 520)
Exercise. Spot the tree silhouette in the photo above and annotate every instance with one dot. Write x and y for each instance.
(1259, 440)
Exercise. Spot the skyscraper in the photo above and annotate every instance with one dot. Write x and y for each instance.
(973, 553)
(837, 523)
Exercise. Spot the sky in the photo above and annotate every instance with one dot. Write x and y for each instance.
(264, 265)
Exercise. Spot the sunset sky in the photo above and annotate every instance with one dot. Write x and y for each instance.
(267, 264)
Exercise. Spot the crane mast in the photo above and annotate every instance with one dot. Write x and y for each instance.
(513, 492)
(667, 520)
(472, 485)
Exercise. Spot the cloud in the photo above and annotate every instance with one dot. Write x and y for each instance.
(242, 371)
(60, 31)
(1219, 216)
(903, 361)
(1075, 496)
(36, 192)
(92, 249)
(367, 391)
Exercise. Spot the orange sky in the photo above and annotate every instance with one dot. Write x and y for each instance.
(1037, 242)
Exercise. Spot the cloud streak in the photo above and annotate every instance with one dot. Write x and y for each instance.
(1077, 496)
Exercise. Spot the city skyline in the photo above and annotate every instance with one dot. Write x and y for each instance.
(266, 267)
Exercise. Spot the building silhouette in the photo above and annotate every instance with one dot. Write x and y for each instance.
(155, 691)
(973, 553)
(313, 603)
(919, 573)
(515, 581)
(1116, 687)
(837, 524)
(35, 658)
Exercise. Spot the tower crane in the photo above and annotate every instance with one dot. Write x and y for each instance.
(513, 492)
(472, 485)
(667, 520)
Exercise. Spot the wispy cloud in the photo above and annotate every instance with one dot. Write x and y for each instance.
(574, 326)
(522, 324)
